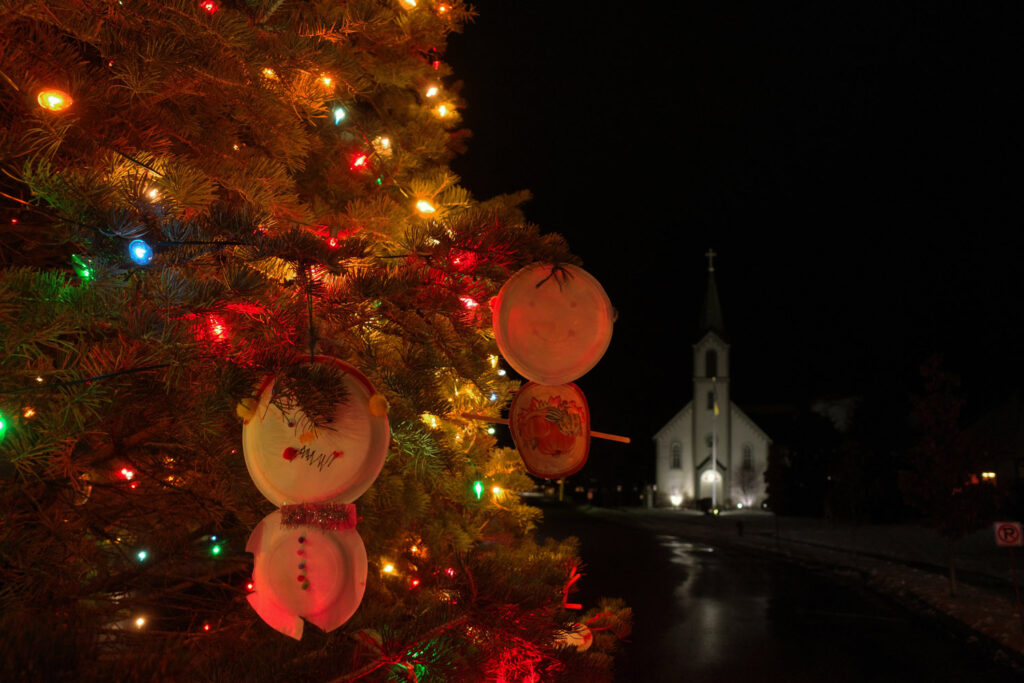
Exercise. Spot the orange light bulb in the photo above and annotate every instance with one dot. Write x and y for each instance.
(54, 100)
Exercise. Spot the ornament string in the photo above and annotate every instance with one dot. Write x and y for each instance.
(504, 421)
(86, 380)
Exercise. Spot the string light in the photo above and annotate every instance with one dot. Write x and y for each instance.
(140, 251)
(442, 110)
(478, 489)
(493, 397)
(209, 5)
(442, 8)
(39, 379)
(490, 430)
(153, 194)
(215, 549)
(29, 412)
(432, 91)
(83, 270)
(388, 568)
(360, 162)
(423, 206)
(142, 555)
(414, 583)
(127, 473)
(469, 302)
(54, 100)
(326, 80)
(407, 4)
(269, 73)
(140, 622)
(250, 586)
(382, 146)
(501, 372)
(339, 114)
(3, 426)
(206, 627)
(450, 571)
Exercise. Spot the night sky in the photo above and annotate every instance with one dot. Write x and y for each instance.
(856, 166)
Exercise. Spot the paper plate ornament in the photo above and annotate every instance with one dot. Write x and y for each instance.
(306, 572)
(577, 635)
(552, 323)
(290, 461)
(550, 426)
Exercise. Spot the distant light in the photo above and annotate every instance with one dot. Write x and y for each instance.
(676, 499)
(739, 506)
(39, 379)
(423, 206)
(140, 252)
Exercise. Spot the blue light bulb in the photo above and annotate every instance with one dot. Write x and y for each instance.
(339, 115)
(140, 252)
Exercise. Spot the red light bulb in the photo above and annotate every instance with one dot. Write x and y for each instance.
(209, 5)
(360, 162)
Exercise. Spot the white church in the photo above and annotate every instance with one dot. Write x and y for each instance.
(710, 453)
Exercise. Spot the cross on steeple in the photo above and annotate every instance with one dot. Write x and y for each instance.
(711, 260)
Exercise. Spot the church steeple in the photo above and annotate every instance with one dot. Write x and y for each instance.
(711, 312)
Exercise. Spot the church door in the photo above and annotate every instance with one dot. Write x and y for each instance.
(709, 479)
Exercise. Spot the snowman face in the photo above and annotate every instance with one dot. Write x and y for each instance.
(291, 462)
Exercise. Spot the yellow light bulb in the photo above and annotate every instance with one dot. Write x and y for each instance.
(140, 622)
(432, 91)
(423, 206)
(389, 568)
(407, 4)
(442, 111)
(326, 80)
(153, 194)
(270, 73)
(29, 411)
(54, 100)
(496, 491)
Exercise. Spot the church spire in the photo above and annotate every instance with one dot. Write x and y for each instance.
(711, 312)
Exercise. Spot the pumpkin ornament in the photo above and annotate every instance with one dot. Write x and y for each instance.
(551, 429)
(308, 559)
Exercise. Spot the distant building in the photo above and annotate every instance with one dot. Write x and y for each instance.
(710, 452)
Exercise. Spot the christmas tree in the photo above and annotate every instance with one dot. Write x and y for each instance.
(196, 196)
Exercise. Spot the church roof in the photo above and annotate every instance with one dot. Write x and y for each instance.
(711, 319)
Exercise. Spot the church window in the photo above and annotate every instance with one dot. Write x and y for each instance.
(677, 457)
(711, 363)
(748, 457)
(711, 400)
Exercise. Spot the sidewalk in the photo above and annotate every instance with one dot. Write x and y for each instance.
(904, 562)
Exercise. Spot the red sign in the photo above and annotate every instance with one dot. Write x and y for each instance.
(1009, 534)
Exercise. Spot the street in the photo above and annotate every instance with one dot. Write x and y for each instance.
(723, 614)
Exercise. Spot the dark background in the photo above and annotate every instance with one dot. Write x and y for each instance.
(855, 165)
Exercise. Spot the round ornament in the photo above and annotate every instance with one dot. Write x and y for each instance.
(550, 426)
(289, 461)
(577, 636)
(552, 323)
(305, 572)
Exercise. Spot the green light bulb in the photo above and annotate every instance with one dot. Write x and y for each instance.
(478, 489)
(215, 550)
(3, 426)
(81, 267)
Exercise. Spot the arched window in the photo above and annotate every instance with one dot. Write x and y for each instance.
(677, 457)
(711, 363)
(748, 457)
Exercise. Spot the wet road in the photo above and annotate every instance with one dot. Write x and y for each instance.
(722, 615)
